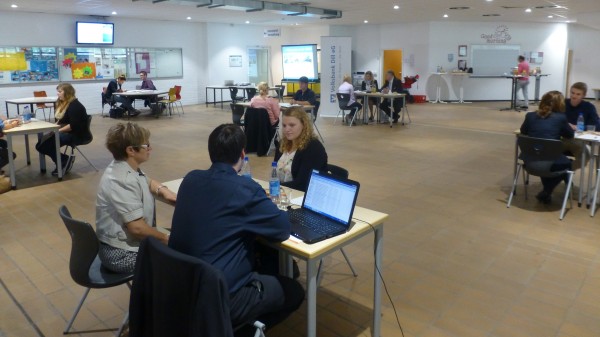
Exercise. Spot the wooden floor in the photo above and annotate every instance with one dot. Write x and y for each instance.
(457, 262)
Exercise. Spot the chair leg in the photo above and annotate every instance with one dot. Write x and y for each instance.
(593, 208)
(348, 262)
(272, 145)
(514, 186)
(567, 195)
(338, 115)
(526, 184)
(125, 320)
(319, 273)
(260, 329)
(70, 324)
(318, 132)
(86, 158)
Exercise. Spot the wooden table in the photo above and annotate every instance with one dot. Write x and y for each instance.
(367, 221)
(29, 101)
(380, 96)
(39, 127)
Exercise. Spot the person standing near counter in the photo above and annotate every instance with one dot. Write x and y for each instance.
(523, 81)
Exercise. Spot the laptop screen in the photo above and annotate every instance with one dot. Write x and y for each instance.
(331, 197)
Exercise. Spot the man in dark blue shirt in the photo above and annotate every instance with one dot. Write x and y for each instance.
(217, 219)
(114, 86)
(304, 96)
(575, 105)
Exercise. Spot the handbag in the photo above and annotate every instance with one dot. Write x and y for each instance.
(117, 112)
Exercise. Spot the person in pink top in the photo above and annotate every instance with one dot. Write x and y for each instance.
(264, 101)
(523, 82)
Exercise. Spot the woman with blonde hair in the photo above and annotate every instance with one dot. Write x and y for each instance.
(72, 117)
(300, 151)
(549, 122)
(264, 101)
(347, 88)
(370, 84)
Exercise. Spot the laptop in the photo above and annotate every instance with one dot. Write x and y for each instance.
(326, 210)
(228, 83)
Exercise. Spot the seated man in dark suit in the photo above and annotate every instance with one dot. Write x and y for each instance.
(217, 219)
(391, 84)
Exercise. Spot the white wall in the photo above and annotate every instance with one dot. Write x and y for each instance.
(585, 67)
(59, 30)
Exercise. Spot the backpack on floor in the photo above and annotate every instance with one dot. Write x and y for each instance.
(116, 112)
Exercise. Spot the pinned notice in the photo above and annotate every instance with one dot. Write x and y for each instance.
(13, 61)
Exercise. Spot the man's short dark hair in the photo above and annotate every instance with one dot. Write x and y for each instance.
(143, 72)
(226, 143)
(303, 79)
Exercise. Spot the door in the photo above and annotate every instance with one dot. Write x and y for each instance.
(258, 65)
(392, 60)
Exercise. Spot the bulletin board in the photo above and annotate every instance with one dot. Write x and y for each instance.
(494, 60)
(157, 62)
(28, 64)
(77, 64)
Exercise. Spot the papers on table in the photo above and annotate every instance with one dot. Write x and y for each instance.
(297, 201)
(288, 105)
(591, 137)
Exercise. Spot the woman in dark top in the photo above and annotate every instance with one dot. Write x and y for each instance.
(370, 84)
(549, 122)
(300, 151)
(72, 117)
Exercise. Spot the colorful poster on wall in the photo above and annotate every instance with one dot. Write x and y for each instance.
(12, 61)
(142, 62)
(83, 71)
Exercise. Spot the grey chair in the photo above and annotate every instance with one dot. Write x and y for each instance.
(339, 172)
(280, 90)
(536, 158)
(85, 266)
(251, 93)
(86, 140)
(233, 93)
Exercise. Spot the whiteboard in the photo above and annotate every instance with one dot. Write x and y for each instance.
(157, 62)
(494, 60)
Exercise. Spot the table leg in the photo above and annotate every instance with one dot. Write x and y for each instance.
(6, 104)
(206, 95)
(461, 98)
(58, 156)
(221, 98)
(590, 174)
(41, 156)
(537, 89)
(311, 298)
(391, 111)
(11, 162)
(378, 243)
(27, 149)
(516, 159)
(581, 175)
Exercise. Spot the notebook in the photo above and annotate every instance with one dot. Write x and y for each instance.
(326, 209)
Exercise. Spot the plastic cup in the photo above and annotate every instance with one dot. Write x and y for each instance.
(590, 128)
(285, 198)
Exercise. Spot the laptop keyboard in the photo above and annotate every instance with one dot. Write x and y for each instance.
(313, 222)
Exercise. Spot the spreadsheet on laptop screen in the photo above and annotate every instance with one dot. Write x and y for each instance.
(330, 197)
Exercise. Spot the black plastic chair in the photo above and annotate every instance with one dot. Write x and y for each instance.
(536, 159)
(343, 100)
(237, 115)
(251, 93)
(106, 101)
(342, 173)
(233, 91)
(280, 90)
(170, 296)
(84, 264)
(84, 141)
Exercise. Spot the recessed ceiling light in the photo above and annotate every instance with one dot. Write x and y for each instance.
(366, 21)
(528, 10)
(550, 16)
(396, 7)
(300, 3)
(489, 0)
(247, 22)
(14, 6)
(568, 21)
(188, 18)
(445, 15)
(114, 13)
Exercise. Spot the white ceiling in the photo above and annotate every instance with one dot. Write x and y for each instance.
(354, 11)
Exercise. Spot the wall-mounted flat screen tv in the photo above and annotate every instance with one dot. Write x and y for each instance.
(95, 33)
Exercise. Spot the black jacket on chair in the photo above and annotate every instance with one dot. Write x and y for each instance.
(312, 157)
(174, 294)
(258, 131)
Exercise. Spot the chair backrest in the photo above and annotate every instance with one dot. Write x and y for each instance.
(237, 112)
(84, 247)
(172, 95)
(178, 92)
(251, 92)
(343, 100)
(337, 171)
(539, 154)
(233, 92)
(280, 90)
(189, 296)
(105, 100)
(88, 137)
(41, 93)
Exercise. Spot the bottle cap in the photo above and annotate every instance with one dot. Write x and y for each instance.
(246, 158)
(274, 164)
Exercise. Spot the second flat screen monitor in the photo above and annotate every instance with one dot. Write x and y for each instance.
(300, 60)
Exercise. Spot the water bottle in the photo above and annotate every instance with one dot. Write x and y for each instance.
(245, 171)
(580, 123)
(26, 114)
(274, 183)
